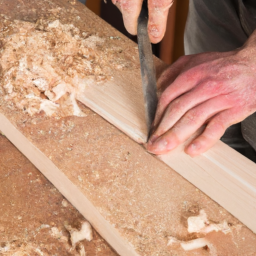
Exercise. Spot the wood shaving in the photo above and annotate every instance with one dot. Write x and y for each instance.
(201, 224)
(44, 65)
(79, 235)
(194, 244)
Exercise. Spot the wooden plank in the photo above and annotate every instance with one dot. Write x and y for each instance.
(228, 178)
(140, 196)
(142, 199)
(228, 172)
(65, 186)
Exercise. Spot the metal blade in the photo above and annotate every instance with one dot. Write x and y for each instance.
(148, 73)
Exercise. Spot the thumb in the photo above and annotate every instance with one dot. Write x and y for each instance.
(158, 14)
(130, 10)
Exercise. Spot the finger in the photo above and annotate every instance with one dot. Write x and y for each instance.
(213, 132)
(189, 124)
(158, 14)
(185, 63)
(182, 84)
(181, 105)
(130, 10)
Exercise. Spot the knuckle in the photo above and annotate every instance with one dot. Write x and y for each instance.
(189, 73)
(176, 105)
(175, 109)
(216, 128)
(211, 86)
(192, 117)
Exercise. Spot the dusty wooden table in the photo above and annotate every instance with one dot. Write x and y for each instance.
(33, 212)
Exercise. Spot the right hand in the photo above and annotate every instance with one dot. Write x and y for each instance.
(158, 13)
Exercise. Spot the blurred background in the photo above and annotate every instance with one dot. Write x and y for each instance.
(171, 47)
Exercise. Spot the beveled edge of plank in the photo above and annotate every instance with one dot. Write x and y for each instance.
(229, 179)
(135, 130)
(66, 188)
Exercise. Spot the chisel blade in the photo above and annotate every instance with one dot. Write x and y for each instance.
(148, 73)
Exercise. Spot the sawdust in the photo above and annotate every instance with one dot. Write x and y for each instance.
(44, 65)
(26, 193)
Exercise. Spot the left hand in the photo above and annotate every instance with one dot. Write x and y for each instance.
(158, 13)
(212, 89)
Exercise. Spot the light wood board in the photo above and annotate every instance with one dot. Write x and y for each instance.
(222, 173)
(65, 186)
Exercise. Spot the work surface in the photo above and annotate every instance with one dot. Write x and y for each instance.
(146, 201)
(32, 209)
(33, 212)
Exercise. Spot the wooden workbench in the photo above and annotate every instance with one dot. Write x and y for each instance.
(33, 212)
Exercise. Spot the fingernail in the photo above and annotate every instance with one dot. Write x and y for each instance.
(162, 144)
(194, 147)
(154, 31)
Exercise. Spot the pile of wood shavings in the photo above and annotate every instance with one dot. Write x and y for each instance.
(43, 64)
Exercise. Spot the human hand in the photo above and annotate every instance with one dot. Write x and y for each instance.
(158, 13)
(211, 89)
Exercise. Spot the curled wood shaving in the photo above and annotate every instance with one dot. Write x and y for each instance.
(44, 65)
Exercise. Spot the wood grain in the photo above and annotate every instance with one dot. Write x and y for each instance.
(66, 187)
(222, 173)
